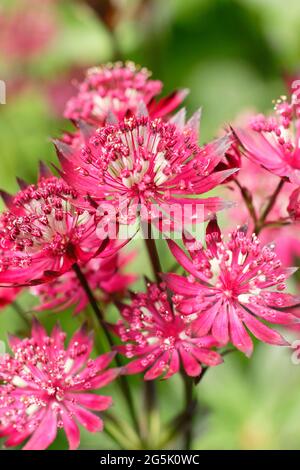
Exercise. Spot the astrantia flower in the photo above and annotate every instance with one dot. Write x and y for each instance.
(259, 185)
(119, 90)
(148, 163)
(273, 142)
(232, 286)
(43, 234)
(161, 339)
(104, 275)
(46, 386)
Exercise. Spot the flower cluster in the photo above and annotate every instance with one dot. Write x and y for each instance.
(132, 161)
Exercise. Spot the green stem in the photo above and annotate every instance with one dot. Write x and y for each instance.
(177, 425)
(181, 421)
(94, 304)
(121, 432)
(117, 54)
(153, 415)
(150, 386)
(190, 408)
(276, 224)
(260, 222)
(272, 200)
(123, 383)
(248, 200)
(117, 436)
(152, 253)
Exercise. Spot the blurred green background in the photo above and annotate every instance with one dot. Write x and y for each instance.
(233, 55)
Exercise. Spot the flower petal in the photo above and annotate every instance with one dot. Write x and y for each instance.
(239, 336)
(263, 332)
(71, 430)
(45, 433)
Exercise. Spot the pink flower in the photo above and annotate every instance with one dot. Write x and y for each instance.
(27, 29)
(231, 287)
(119, 89)
(273, 142)
(149, 163)
(260, 184)
(294, 205)
(43, 234)
(46, 387)
(161, 339)
(104, 275)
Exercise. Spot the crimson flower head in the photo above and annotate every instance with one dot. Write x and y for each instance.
(45, 387)
(119, 89)
(161, 339)
(141, 162)
(232, 287)
(105, 276)
(273, 142)
(42, 234)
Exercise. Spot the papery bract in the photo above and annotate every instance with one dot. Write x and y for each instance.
(232, 158)
(46, 386)
(233, 287)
